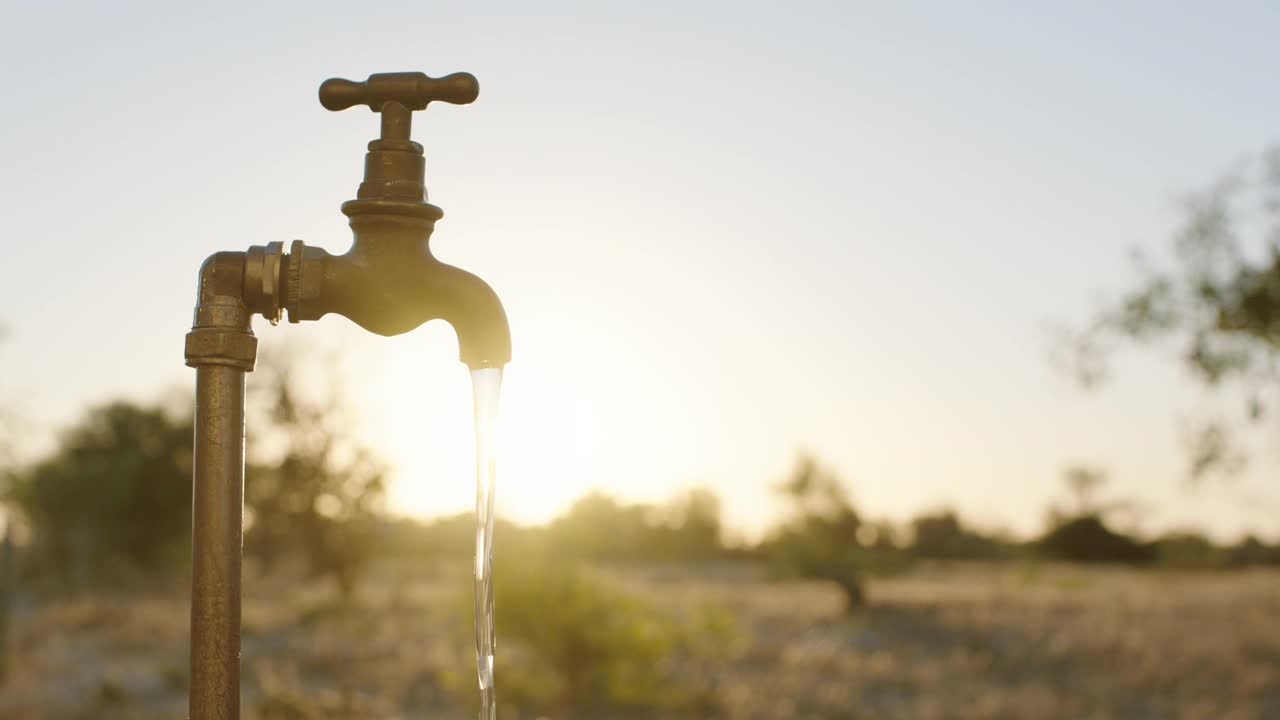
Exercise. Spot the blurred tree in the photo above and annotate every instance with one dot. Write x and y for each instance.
(598, 527)
(7, 442)
(117, 488)
(688, 528)
(1084, 483)
(7, 588)
(942, 536)
(821, 539)
(1219, 299)
(1080, 531)
(1189, 550)
(597, 650)
(311, 489)
(1087, 539)
(1252, 551)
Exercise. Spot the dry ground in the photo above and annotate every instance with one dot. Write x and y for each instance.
(942, 642)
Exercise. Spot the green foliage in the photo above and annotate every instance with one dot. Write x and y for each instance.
(117, 490)
(7, 588)
(599, 527)
(1084, 483)
(689, 527)
(1188, 551)
(1218, 299)
(1087, 539)
(825, 538)
(942, 536)
(1251, 551)
(585, 646)
(310, 489)
(444, 538)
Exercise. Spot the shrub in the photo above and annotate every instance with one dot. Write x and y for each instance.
(1188, 550)
(115, 493)
(598, 527)
(1087, 539)
(942, 536)
(826, 539)
(1251, 552)
(311, 490)
(570, 643)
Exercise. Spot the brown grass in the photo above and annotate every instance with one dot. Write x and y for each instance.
(943, 642)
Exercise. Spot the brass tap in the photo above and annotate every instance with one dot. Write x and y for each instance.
(388, 282)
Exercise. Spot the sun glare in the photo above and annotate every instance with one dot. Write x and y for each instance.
(418, 412)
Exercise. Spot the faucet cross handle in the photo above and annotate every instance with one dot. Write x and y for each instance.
(397, 95)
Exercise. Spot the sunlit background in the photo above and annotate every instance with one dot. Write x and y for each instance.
(722, 234)
(795, 428)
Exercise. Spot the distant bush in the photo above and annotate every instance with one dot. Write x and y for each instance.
(1251, 551)
(825, 538)
(688, 527)
(450, 539)
(572, 644)
(311, 491)
(1087, 539)
(599, 527)
(115, 493)
(942, 536)
(1188, 550)
(1191, 550)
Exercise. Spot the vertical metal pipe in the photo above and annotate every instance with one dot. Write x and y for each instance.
(222, 348)
(217, 502)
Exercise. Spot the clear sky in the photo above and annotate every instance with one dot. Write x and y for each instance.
(722, 232)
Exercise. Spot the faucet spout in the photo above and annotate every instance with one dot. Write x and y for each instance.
(473, 309)
(389, 283)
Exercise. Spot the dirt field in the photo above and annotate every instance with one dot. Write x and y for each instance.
(942, 642)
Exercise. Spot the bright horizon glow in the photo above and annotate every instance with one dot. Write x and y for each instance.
(550, 442)
(426, 395)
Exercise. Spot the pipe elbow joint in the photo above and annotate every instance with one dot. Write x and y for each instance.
(221, 279)
(220, 331)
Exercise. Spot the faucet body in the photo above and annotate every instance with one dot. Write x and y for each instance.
(388, 283)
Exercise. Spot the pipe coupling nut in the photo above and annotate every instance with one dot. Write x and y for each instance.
(262, 280)
(217, 346)
(305, 279)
